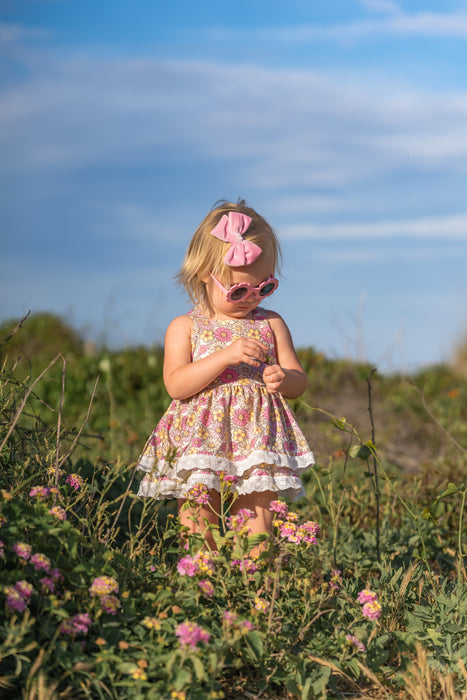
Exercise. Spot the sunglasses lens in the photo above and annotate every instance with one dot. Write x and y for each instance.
(238, 294)
(267, 289)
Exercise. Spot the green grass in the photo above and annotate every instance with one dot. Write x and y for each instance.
(393, 488)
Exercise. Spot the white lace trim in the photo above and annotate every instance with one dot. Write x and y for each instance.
(289, 487)
(187, 463)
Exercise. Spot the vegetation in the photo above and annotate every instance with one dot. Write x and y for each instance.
(360, 593)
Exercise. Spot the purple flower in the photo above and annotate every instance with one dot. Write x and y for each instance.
(24, 588)
(23, 550)
(198, 495)
(279, 507)
(247, 565)
(187, 566)
(190, 634)
(372, 610)
(355, 642)
(39, 492)
(103, 585)
(79, 624)
(75, 480)
(207, 588)
(58, 512)
(109, 604)
(40, 561)
(366, 596)
(14, 600)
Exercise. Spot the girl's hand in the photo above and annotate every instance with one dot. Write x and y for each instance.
(273, 377)
(245, 350)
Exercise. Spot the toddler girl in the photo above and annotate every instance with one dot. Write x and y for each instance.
(228, 365)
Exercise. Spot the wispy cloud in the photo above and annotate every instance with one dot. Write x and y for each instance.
(426, 228)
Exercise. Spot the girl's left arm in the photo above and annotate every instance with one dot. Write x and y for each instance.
(287, 377)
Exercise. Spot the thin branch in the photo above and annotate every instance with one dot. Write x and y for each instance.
(25, 398)
(14, 330)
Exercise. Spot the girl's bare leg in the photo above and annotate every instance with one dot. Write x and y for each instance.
(259, 503)
(194, 518)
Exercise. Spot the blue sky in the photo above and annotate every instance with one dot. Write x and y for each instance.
(343, 122)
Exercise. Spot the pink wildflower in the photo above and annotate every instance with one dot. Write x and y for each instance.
(48, 584)
(14, 600)
(279, 507)
(247, 565)
(366, 596)
(109, 604)
(75, 480)
(238, 522)
(190, 635)
(372, 610)
(198, 495)
(336, 579)
(187, 566)
(40, 561)
(39, 492)
(230, 618)
(79, 624)
(356, 642)
(23, 550)
(2, 548)
(58, 512)
(24, 588)
(207, 588)
(103, 585)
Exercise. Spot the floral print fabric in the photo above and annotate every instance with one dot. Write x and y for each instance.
(233, 425)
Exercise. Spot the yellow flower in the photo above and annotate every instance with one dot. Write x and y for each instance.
(152, 623)
(123, 645)
(100, 642)
(139, 675)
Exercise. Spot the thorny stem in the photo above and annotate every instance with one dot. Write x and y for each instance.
(375, 469)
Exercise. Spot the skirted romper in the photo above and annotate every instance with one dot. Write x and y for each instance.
(233, 425)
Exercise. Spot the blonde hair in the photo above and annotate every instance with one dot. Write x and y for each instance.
(205, 252)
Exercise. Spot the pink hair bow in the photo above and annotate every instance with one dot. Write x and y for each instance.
(230, 229)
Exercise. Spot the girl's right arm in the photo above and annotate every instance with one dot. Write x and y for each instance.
(183, 377)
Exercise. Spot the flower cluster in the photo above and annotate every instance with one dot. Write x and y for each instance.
(75, 480)
(288, 528)
(371, 607)
(247, 565)
(239, 522)
(201, 563)
(42, 492)
(79, 624)
(336, 579)
(58, 512)
(189, 634)
(206, 588)
(231, 620)
(280, 508)
(198, 495)
(261, 605)
(103, 587)
(152, 623)
(48, 582)
(227, 482)
(355, 642)
(22, 550)
(18, 596)
(40, 561)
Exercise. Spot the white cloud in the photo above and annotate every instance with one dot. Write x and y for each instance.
(425, 228)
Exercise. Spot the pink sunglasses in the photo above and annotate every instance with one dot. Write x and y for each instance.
(242, 291)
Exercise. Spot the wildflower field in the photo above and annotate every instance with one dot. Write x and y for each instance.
(361, 591)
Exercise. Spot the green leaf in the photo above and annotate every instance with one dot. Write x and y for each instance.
(255, 643)
(198, 667)
(449, 491)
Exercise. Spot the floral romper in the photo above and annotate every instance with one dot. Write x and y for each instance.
(233, 425)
